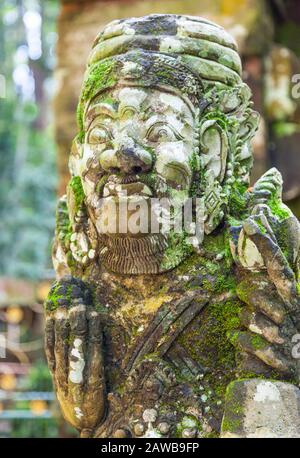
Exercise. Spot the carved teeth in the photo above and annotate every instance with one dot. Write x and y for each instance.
(127, 189)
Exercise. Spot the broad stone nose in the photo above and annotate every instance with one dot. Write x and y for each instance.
(133, 160)
(127, 159)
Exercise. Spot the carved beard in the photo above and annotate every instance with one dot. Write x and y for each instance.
(128, 255)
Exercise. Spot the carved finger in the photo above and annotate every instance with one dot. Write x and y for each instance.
(49, 343)
(76, 377)
(250, 363)
(259, 324)
(61, 348)
(95, 364)
(258, 295)
(77, 354)
(268, 220)
(277, 265)
(262, 209)
(262, 194)
(261, 200)
(270, 178)
(78, 321)
(259, 347)
(95, 387)
(261, 220)
(265, 184)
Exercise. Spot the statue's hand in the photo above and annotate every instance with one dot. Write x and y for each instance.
(269, 290)
(266, 249)
(74, 352)
(271, 325)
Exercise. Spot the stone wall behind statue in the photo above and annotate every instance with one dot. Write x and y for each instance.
(268, 69)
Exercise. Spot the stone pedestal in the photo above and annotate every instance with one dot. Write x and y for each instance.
(261, 408)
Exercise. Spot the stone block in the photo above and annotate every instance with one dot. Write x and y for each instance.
(261, 408)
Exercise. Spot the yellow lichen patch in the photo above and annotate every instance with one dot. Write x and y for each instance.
(153, 303)
(144, 286)
(134, 310)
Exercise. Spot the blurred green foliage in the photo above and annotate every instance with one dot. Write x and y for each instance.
(38, 378)
(37, 428)
(27, 150)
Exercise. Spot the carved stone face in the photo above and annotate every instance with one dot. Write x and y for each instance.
(156, 121)
(138, 142)
(133, 132)
(139, 145)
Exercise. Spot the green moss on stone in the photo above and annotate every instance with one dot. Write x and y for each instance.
(238, 200)
(278, 208)
(258, 342)
(75, 185)
(224, 121)
(177, 250)
(99, 76)
(233, 419)
(52, 301)
(262, 228)
(62, 218)
(211, 347)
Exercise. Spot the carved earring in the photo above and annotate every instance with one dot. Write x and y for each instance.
(214, 151)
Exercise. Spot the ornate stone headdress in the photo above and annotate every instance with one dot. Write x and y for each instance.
(199, 61)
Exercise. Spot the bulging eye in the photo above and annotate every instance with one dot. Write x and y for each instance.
(99, 134)
(161, 133)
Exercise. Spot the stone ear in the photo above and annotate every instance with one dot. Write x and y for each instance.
(247, 130)
(249, 126)
(213, 148)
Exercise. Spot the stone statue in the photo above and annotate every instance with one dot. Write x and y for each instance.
(146, 329)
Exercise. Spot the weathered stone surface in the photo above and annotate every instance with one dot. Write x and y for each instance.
(261, 408)
(149, 321)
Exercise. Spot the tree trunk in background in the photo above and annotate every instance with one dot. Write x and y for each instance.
(254, 24)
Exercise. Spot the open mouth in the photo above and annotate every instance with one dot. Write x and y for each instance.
(128, 186)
